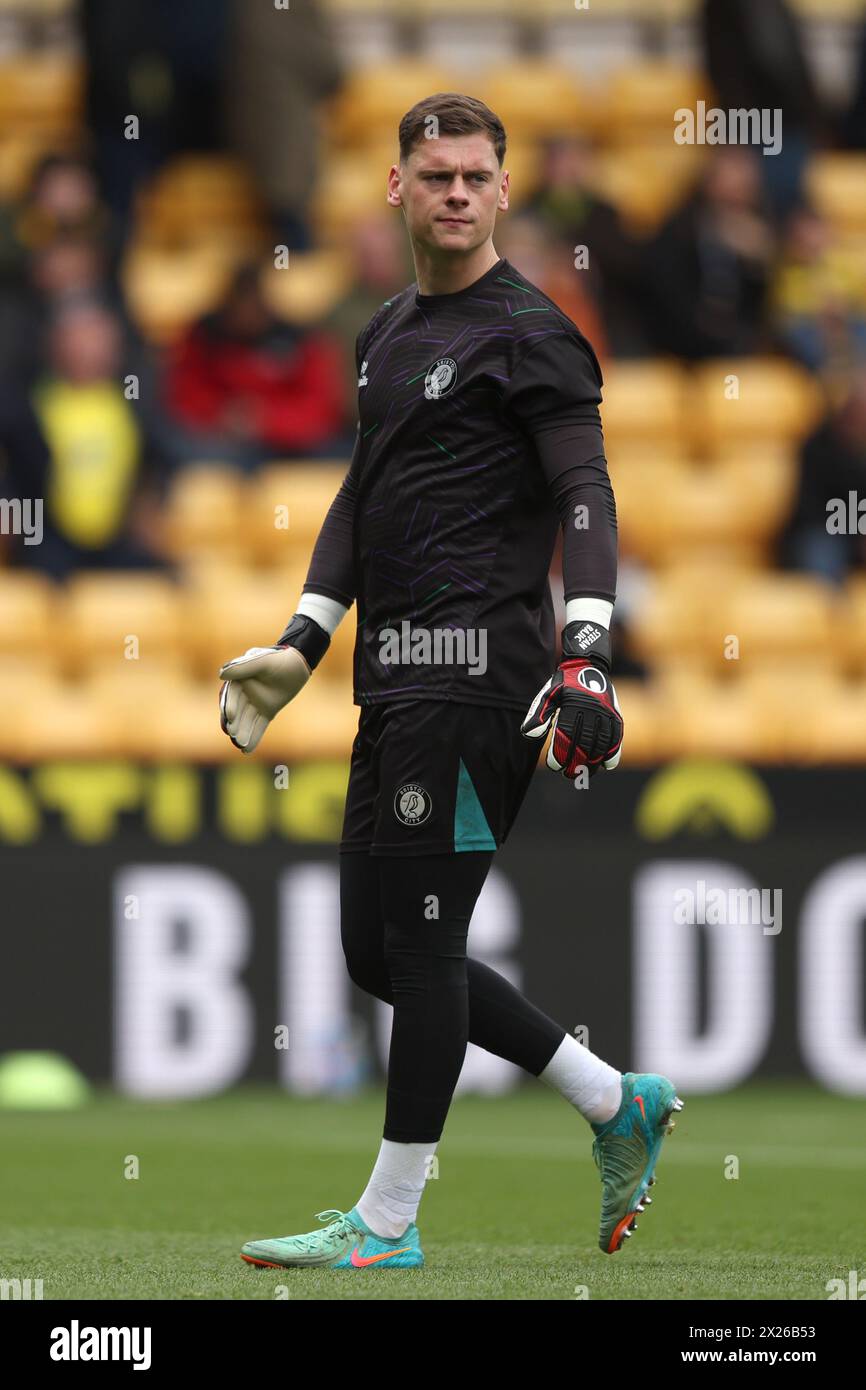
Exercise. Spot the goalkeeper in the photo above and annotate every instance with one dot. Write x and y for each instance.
(479, 436)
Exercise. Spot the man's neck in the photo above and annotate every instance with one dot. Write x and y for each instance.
(438, 274)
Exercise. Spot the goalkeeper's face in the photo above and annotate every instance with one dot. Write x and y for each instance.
(450, 190)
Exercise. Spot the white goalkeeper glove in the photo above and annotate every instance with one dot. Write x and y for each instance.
(263, 680)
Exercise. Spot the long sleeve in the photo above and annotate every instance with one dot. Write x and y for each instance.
(554, 395)
(332, 566)
(587, 510)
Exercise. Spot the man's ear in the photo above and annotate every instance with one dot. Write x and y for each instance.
(505, 185)
(393, 194)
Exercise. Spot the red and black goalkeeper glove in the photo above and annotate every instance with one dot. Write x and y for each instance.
(579, 702)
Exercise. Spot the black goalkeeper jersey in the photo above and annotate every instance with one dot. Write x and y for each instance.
(454, 524)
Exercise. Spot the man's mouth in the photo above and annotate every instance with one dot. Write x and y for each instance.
(456, 221)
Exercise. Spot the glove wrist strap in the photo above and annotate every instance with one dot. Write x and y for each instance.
(587, 641)
(311, 640)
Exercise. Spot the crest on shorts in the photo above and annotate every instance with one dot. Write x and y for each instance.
(440, 379)
(412, 804)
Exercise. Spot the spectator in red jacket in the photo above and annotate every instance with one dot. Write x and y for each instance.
(242, 386)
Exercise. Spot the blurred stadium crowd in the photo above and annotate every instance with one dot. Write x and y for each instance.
(193, 230)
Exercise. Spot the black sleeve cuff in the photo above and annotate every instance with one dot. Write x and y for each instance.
(586, 639)
(311, 640)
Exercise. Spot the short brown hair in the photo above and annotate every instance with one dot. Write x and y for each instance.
(455, 114)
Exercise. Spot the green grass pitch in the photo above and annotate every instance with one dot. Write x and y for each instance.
(513, 1213)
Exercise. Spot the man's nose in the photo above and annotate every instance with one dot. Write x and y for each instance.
(457, 191)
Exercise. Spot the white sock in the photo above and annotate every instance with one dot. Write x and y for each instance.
(392, 1196)
(592, 1087)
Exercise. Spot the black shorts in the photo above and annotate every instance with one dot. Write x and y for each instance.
(435, 777)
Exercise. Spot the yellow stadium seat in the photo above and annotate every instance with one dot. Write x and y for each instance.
(40, 92)
(642, 493)
(648, 736)
(352, 184)
(311, 286)
(286, 506)
(320, 723)
(707, 507)
(671, 623)
(168, 290)
(535, 98)
(673, 11)
(375, 98)
(136, 699)
(21, 666)
(783, 680)
(282, 588)
(771, 615)
(663, 11)
(851, 631)
(829, 9)
(724, 720)
(103, 670)
(447, 9)
(640, 99)
(359, 7)
(202, 569)
(197, 199)
(348, 187)
(289, 574)
(713, 509)
(837, 185)
(645, 181)
(224, 619)
(61, 721)
(40, 10)
(740, 553)
(837, 731)
(205, 502)
(630, 459)
(169, 720)
(665, 626)
(766, 476)
(644, 402)
(189, 729)
(753, 400)
(28, 613)
(128, 616)
(808, 701)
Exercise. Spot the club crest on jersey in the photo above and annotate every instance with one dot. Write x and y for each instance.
(440, 379)
(412, 804)
(592, 679)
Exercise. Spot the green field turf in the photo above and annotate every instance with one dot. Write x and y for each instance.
(512, 1215)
